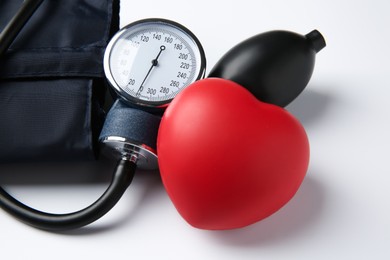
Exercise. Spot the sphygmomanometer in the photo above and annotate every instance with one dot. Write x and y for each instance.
(195, 130)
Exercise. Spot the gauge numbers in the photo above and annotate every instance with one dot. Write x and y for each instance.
(150, 62)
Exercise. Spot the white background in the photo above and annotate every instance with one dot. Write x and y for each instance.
(342, 209)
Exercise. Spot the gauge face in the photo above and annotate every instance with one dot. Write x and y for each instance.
(149, 62)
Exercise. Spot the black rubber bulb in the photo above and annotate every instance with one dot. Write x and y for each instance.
(275, 66)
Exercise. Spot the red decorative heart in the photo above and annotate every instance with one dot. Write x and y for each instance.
(226, 159)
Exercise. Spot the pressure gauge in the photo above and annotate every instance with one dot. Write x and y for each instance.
(150, 61)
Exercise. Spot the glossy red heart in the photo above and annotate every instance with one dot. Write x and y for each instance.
(226, 159)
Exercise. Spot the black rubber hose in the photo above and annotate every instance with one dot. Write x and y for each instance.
(16, 24)
(121, 179)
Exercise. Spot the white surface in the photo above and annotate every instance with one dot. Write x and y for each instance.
(341, 211)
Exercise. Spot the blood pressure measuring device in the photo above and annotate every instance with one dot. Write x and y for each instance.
(147, 63)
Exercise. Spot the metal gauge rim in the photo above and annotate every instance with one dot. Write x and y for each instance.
(156, 22)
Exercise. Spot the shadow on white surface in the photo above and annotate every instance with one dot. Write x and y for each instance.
(294, 219)
(145, 188)
(310, 106)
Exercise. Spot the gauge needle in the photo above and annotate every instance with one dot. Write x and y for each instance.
(154, 63)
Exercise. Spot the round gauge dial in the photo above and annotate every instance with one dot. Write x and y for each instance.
(150, 61)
